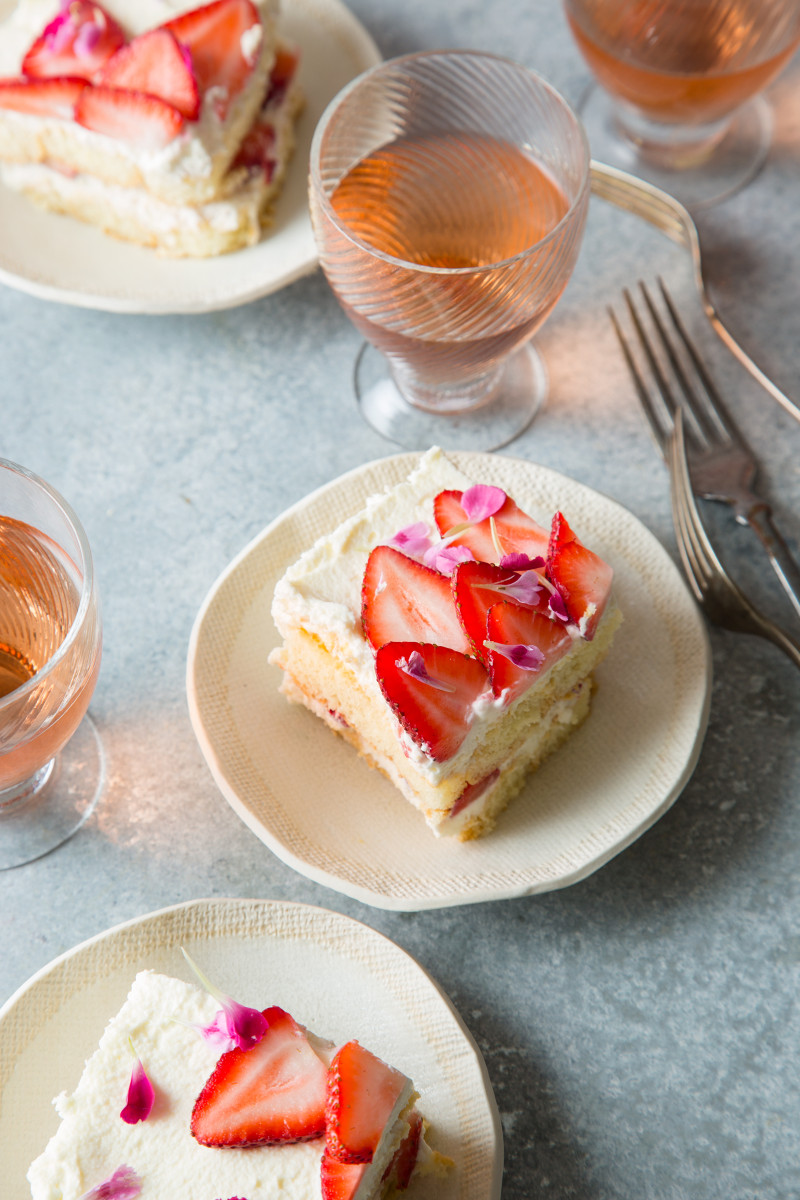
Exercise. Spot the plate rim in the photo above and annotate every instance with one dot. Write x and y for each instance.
(50, 969)
(367, 52)
(365, 894)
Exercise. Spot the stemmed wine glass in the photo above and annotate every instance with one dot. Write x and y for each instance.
(449, 193)
(678, 101)
(51, 761)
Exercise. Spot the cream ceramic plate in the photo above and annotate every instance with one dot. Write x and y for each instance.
(58, 258)
(336, 976)
(309, 797)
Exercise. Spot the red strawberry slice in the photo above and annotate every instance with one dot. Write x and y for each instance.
(257, 151)
(580, 575)
(401, 1168)
(213, 34)
(475, 587)
(132, 117)
(77, 42)
(338, 1180)
(362, 1092)
(517, 533)
(431, 693)
(155, 63)
(42, 97)
(273, 1092)
(510, 625)
(283, 71)
(403, 601)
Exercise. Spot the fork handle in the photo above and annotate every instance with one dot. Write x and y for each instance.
(759, 519)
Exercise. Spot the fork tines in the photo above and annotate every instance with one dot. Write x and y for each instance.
(712, 423)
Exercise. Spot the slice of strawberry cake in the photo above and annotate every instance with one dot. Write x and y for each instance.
(161, 122)
(182, 1099)
(449, 637)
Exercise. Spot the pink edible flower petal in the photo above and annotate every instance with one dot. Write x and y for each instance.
(557, 606)
(413, 540)
(86, 39)
(245, 1026)
(528, 658)
(124, 1184)
(414, 666)
(525, 589)
(140, 1095)
(521, 562)
(481, 501)
(59, 32)
(445, 559)
(218, 1032)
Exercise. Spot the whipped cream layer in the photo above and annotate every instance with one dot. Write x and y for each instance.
(189, 156)
(93, 1141)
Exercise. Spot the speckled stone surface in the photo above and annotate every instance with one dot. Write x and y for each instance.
(641, 1029)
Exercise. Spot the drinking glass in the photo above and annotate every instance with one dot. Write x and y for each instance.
(51, 761)
(678, 101)
(449, 193)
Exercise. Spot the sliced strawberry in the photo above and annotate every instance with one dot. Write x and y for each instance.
(155, 63)
(284, 69)
(42, 97)
(473, 791)
(257, 151)
(510, 625)
(401, 1168)
(274, 1092)
(134, 117)
(338, 1180)
(361, 1096)
(431, 693)
(213, 34)
(478, 585)
(581, 576)
(517, 533)
(403, 601)
(77, 42)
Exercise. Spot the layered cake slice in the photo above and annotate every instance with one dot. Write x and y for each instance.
(160, 1111)
(449, 637)
(161, 122)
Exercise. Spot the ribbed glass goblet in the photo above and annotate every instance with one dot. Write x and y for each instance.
(449, 193)
(51, 763)
(678, 102)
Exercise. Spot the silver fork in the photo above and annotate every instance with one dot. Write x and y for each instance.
(721, 464)
(711, 585)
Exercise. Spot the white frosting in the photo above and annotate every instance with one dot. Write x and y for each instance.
(188, 156)
(93, 1141)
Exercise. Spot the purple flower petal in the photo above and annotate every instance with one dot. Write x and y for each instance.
(245, 1026)
(414, 666)
(413, 540)
(521, 562)
(140, 1096)
(86, 39)
(59, 32)
(557, 606)
(124, 1184)
(445, 559)
(525, 589)
(217, 1033)
(528, 658)
(481, 501)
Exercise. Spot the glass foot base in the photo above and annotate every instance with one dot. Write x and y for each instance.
(520, 394)
(34, 826)
(731, 164)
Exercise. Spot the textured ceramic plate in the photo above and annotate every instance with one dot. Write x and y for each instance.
(61, 259)
(316, 804)
(336, 976)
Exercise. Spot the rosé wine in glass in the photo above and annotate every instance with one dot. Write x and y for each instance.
(50, 647)
(678, 78)
(448, 195)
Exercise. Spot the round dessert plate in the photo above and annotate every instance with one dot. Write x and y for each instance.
(333, 974)
(58, 258)
(321, 809)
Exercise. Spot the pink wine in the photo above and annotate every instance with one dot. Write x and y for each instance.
(684, 63)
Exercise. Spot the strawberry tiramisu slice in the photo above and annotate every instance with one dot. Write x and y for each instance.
(162, 122)
(449, 637)
(160, 1112)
